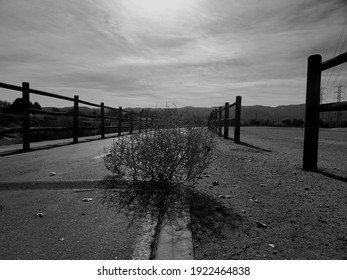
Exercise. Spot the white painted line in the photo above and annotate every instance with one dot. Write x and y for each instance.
(101, 156)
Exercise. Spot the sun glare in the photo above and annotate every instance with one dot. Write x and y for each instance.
(158, 8)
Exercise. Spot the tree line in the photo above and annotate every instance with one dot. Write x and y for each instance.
(18, 105)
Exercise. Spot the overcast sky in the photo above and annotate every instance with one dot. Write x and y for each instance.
(148, 53)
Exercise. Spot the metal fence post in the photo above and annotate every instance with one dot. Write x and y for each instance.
(75, 119)
(26, 115)
(102, 115)
(226, 121)
(237, 120)
(311, 135)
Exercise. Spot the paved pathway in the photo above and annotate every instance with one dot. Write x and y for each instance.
(27, 187)
(70, 228)
(70, 162)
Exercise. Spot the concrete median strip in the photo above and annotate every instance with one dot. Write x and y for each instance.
(144, 243)
(167, 237)
(175, 238)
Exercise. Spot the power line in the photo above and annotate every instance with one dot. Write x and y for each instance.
(340, 70)
(340, 36)
(338, 48)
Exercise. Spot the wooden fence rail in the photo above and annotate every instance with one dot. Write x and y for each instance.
(126, 120)
(216, 120)
(315, 66)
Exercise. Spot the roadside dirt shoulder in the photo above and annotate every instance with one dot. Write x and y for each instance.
(258, 203)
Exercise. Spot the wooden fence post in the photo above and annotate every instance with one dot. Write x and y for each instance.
(237, 120)
(220, 121)
(120, 121)
(312, 113)
(26, 115)
(75, 119)
(226, 121)
(131, 122)
(102, 114)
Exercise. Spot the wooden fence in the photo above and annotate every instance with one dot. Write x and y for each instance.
(127, 121)
(315, 67)
(216, 120)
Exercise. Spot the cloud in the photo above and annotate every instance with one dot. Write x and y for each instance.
(203, 54)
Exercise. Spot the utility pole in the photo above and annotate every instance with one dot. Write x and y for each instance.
(339, 98)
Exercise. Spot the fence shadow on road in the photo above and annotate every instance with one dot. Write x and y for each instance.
(14, 151)
(332, 176)
(251, 146)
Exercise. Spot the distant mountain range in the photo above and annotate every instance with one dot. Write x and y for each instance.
(279, 113)
(257, 112)
(248, 113)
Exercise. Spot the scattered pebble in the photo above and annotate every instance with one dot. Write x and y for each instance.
(1, 206)
(254, 200)
(261, 225)
(39, 215)
(52, 174)
(228, 196)
(87, 199)
(83, 213)
(61, 239)
(263, 185)
(243, 211)
(272, 245)
(215, 183)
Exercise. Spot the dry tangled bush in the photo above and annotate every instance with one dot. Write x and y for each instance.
(171, 154)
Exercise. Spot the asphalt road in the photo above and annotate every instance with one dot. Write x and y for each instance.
(70, 162)
(70, 229)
